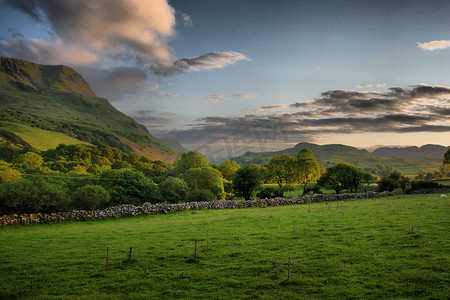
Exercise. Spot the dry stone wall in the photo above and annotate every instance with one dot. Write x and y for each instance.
(149, 209)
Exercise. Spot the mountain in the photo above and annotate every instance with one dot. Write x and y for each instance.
(435, 151)
(56, 99)
(330, 154)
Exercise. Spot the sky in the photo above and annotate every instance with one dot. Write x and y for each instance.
(226, 77)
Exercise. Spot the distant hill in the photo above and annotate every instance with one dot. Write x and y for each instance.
(330, 154)
(436, 151)
(58, 99)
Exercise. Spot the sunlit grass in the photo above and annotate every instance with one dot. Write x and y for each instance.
(395, 247)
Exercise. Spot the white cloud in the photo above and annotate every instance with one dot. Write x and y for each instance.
(214, 98)
(370, 85)
(245, 95)
(434, 45)
(121, 28)
(155, 90)
(186, 20)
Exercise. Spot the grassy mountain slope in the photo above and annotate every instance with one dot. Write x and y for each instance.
(57, 99)
(436, 151)
(329, 154)
(38, 138)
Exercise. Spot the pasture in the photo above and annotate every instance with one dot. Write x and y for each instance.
(393, 247)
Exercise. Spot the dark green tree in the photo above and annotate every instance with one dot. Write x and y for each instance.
(343, 176)
(32, 196)
(130, 187)
(246, 180)
(205, 178)
(90, 197)
(174, 190)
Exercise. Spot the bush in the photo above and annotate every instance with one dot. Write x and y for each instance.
(388, 184)
(32, 196)
(200, 195)
(174, 190)
(312, 189)
(130, 187)
(90, 197)
(270, 192)
(425, 185)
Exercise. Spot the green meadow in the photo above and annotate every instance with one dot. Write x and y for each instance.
(394, 247)
(38, 138)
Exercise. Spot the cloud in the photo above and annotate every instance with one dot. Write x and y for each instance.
(149, 118)
(245, 95)
(370, 85)
(434, 45)
(207, 61)
(155, 90)
(186, 20)
(114, 84)
(270, 107)
(48, 52)
(214, 98)
(416, 109)
(128, 28)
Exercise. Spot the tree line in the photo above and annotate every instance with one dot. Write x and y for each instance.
(94, 177)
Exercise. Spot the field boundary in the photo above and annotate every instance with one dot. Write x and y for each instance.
(150, 209)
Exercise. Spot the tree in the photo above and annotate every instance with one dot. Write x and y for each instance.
(388, 184)
(283, 170)
(246, 180)
(446, 162)
(29, 161)
(205, 178)
(174, 190)
(31, 196)
(343, 176)
(308, 167)
(447, 157)
(228, 169)
(190, 160)
(130, 187)
(90, 197)
(7, 174)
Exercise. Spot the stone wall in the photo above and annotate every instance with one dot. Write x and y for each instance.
(148, 208)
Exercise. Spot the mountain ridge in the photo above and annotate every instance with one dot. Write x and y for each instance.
(57, 98)
(429, 150)
(330, 154)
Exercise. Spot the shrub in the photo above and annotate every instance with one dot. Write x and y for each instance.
(130, 187)
(31, 196)
(174, 190)
(270, 192)
(200, 195)
(418, 185)
(9, 175)
(312, 189)
(90, 197)
(388, 184)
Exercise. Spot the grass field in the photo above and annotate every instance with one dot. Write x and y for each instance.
(38, 138)
(395, 247)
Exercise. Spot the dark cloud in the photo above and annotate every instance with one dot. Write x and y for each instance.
(116, 83)
(149, 117)
(204, 62)
(418, 109)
